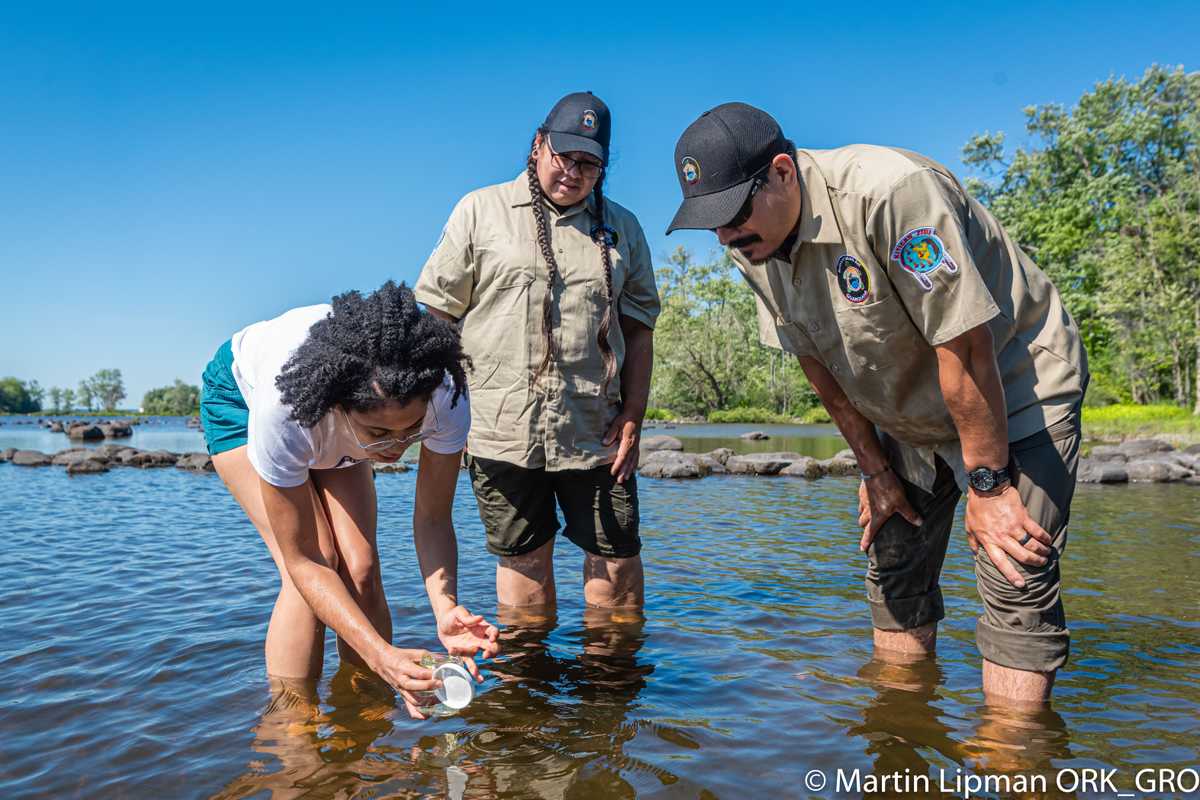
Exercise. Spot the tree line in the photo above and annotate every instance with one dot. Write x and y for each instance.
(102, 392)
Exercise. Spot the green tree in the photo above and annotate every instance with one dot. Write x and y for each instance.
(707, 354)
(68, 400)
(87, 395)
(181, 399)
(56, 400)
(16, 396)
(1107, 201)
(109, 388)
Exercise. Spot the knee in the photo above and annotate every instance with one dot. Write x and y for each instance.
(362, 570)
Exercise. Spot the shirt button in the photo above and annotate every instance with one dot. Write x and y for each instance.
(814, 326)
(835, 369)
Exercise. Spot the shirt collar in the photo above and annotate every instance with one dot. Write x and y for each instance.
(817, 222)
(522, 197)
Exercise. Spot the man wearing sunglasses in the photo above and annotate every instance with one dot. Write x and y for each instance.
(941, 351)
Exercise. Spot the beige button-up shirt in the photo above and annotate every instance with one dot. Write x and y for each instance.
(488, 271)
(893, 257)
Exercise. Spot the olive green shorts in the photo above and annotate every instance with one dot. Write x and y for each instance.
(518, 508)
(1020, 628)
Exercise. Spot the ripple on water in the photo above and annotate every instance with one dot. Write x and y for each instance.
(135, 607)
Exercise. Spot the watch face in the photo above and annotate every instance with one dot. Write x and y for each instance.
(983, 479)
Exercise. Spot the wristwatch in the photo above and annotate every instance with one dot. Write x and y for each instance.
(985, 479)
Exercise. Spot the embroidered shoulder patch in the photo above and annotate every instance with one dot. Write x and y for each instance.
(853, 279)
(921, 252)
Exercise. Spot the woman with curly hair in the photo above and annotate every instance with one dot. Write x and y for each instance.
(554, 288)
(294, 409)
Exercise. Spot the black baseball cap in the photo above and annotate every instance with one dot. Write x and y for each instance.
(580, 122)
(717, 159)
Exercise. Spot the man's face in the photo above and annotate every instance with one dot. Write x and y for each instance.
(760, 228)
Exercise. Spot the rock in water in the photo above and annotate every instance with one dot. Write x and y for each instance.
(86, 466)
(1094, 471)
(1138, 448)
(804, 467)
(761, 463)
(672, 464)
(30, 458)
(655, 443)
(196, 462)
(755, 435)
(85, 431)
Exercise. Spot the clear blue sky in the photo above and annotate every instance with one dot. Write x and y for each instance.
(169, 177)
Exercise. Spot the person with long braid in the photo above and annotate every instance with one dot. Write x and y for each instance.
(294, 408)
(553, 288)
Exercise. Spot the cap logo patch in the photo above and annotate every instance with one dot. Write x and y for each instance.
(589, 120)
(853, 279)
(921, 253)
(690, 169)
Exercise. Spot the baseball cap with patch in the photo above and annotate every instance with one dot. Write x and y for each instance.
(717, 159)
(580, 122)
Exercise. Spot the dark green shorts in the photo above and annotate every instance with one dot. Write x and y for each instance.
(517, 507)
(1020, 628)
(223, 410)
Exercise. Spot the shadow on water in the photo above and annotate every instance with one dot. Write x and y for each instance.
(545, 725)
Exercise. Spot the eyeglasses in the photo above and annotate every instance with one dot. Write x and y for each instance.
(747, 208)
(588, 169)
(387, 444)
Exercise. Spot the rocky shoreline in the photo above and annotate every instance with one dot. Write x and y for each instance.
(1134, 461)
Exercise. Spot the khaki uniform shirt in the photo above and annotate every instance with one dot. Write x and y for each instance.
(893, 258)
(488, 271)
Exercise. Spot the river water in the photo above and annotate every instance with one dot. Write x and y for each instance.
(135, 605)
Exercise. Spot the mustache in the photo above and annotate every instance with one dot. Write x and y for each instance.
(745, 241)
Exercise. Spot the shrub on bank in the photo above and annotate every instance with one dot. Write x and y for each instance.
(758, 415)
(1128, 419)
(661, 414)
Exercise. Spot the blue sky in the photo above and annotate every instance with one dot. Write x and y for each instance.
(168, 178)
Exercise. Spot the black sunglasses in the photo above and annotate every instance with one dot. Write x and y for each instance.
(743, 214)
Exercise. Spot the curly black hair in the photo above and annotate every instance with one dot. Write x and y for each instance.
(370, 350)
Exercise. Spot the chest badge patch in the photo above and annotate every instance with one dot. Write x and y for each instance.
(921, 253)
(853, 279)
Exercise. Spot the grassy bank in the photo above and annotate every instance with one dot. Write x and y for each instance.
(1127, 421)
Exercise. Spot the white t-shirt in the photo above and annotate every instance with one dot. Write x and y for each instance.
(281, 450)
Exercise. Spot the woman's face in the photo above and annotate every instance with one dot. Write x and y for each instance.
(561, 174)
(399, 426)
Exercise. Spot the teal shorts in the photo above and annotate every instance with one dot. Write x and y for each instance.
(223, 411)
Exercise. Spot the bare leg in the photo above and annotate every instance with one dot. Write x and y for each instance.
(527, 580)
(918, 641)
(350, 501)
(613, 582)
(1015, 688)
(295, 637)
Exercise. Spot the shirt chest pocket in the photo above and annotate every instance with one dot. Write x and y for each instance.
(507, 272)
(877, 338)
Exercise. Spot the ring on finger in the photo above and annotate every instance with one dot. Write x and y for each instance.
(1025, 539)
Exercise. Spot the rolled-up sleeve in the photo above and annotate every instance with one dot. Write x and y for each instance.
(447, 281)
(639, 297)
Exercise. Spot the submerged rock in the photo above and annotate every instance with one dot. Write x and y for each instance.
(1155, 471)
(673, 464)
(804, 467)
(86, 466)
(85, 431)
(196, 462)
(1136, 448)
(30, 458)
(655, 443)
(760, 463)
(1094, 471)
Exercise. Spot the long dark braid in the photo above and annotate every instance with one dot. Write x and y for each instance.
(602, 236)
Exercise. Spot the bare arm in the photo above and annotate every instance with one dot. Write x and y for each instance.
(880, 494)
(461, 632)
(857, 430)
(997, 521)
(635, 394)
(970, 382)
